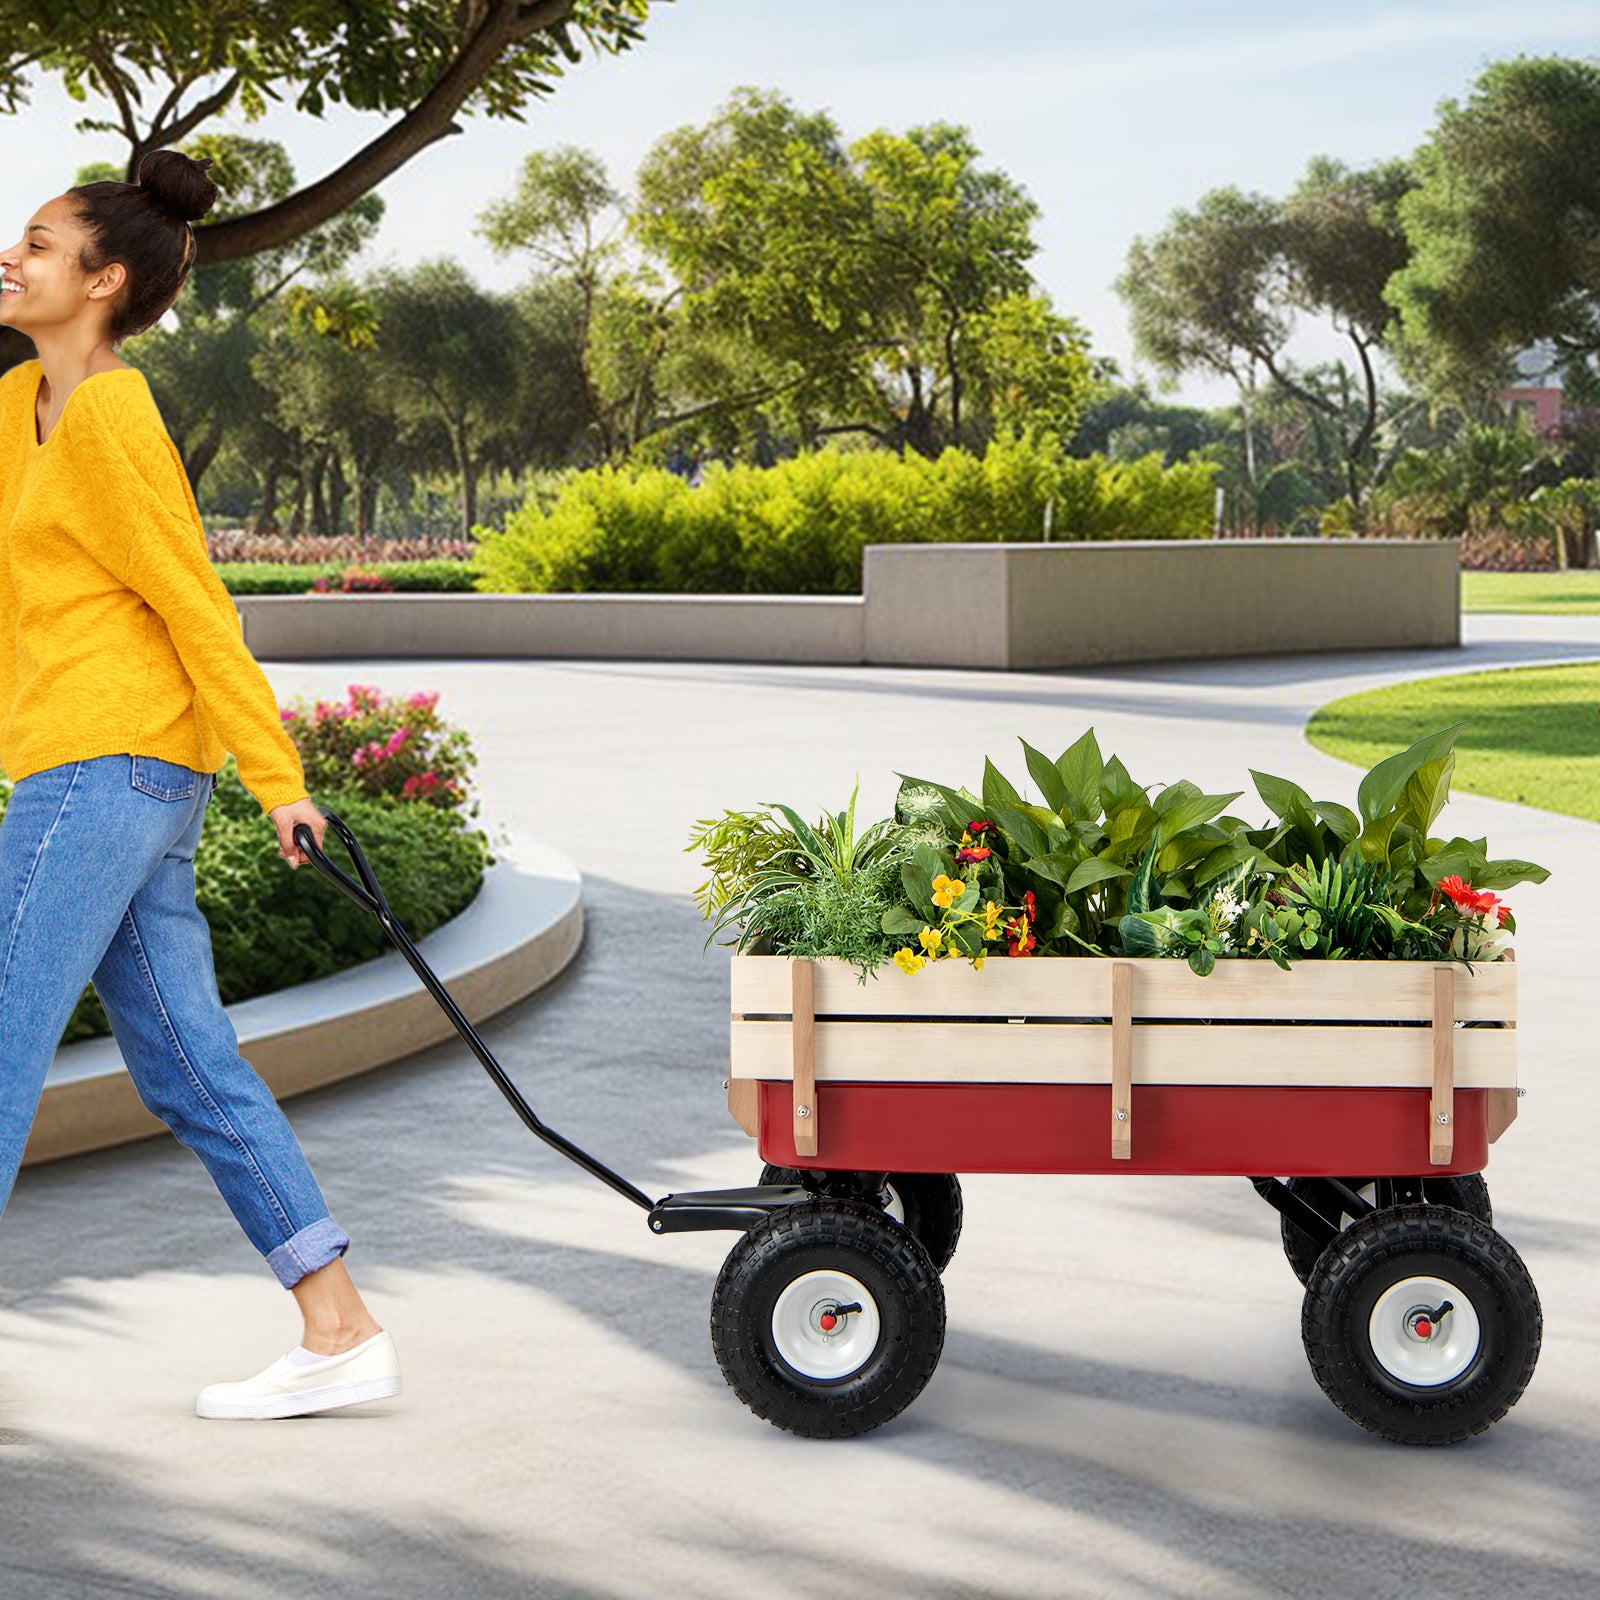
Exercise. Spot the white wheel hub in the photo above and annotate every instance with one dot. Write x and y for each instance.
(815, 1330)
(1424, 1331)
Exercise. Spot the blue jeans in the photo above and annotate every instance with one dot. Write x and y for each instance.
(97, 882)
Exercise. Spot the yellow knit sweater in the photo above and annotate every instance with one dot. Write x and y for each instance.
(116, 634)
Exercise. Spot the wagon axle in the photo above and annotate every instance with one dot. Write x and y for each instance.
(1423, 1323)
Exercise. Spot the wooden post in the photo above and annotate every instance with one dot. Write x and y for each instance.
(1501, 1104)
(1441, 1109)
(1121, 1061)
(803, 1028)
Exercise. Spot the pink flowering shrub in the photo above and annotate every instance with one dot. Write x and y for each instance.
(368, 745)
(355, 581)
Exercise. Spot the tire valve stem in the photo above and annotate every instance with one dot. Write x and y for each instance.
(1425, 1323)
(829, 1320)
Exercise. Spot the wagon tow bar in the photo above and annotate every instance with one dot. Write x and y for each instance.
(674, 1213)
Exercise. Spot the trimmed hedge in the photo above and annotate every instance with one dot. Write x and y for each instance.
(799, 527)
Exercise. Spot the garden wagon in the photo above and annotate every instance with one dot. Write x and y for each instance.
(1360, 1097)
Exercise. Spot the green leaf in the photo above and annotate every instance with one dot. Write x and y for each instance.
(1181, 805)
(1055, 865)
(1202, 960)
(1095, 870)
(1278, 793)
(1051, 784)
(1081, 768)
(1232, 859)
(1017, 825)
(957, 809)
(898, 921)
(1426, 791)
(1116, 787)
(1143, 938)
(997, 788)
(1503, 874)
(1142, 891)
(926, 863)
(1344, 824)
(1382, 787)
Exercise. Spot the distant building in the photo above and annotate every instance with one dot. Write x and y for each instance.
(1535, 396)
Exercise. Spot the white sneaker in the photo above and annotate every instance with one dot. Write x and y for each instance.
(368, 1371)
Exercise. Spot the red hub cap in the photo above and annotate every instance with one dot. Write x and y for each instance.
(829, 1321)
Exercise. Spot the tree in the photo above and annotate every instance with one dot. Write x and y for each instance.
(448, 354)
(335, 398)
(1222, 287)
(1208, 293)
(1504, 226)
(420, 63)
(198, 360)
(844, 289)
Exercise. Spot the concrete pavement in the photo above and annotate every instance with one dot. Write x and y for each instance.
(1123, 1406)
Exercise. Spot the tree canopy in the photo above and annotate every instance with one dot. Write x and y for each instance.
(1504, 225)
(167, 67)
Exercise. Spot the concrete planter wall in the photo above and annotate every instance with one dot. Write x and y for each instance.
(1005, 606)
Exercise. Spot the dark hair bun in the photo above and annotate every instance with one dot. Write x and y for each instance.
(178, 183)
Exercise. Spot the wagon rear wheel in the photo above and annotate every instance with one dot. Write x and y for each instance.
(926, 1204)
(1467, 1192)
(827, 1318)
(1421, 1323)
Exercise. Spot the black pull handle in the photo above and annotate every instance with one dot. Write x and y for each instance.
(367, 893)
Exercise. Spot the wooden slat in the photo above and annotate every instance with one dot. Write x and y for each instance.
(1067, 1052)
(1121, 1061)
(1500, 1107)
(802, 1057)
(744, 1104)
(1442, 1108)
(1380, 991)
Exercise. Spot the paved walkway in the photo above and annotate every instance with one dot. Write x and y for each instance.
(1123, 1407)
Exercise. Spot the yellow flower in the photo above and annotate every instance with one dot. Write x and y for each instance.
(977, 963)
(947, 890)
(991, 915)
(908, 960)
(931, 939)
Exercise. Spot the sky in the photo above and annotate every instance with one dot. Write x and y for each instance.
(1109, 115)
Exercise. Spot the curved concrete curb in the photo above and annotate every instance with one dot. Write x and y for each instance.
(521, 930)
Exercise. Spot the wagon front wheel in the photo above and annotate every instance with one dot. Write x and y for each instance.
(1421, 1323)
(827, 1318)
(926, 1204)
(1465, 1191)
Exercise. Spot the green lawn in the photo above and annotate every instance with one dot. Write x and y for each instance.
(1549, 592)
(1533, 737)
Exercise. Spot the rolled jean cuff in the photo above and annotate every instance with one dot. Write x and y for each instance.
(313, 1247)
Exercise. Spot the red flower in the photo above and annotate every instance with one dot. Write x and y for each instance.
(978, 827)
(975, 852)
(1503, 912)
(1027, 900)
(1465, 897)
(1020, 947)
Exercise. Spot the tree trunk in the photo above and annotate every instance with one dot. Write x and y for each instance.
(338, 491)
(266, 520)
(203, 455)
(319, 504)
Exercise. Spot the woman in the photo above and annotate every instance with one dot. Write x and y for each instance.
(124, 682)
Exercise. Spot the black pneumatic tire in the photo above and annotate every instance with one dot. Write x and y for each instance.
(1466, 1192)
(931, 1202)
(1480, 1269)
(831, 1237)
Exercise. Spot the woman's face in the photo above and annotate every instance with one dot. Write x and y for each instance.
(43, 288)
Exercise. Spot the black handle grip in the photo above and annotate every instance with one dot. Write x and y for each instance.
(366, 894)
